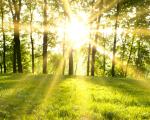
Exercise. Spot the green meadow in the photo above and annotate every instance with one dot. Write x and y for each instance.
(46, 97)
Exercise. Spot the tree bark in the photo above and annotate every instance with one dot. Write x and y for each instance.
(130, 53)
(64, 60)
(71, 62)
(16, 21)
(45, 37)
(94, 50)
(93, 60)
(14, 57)
(88, 62)
(139, 54)
(1, 68)
(123, 54)
(4, 39)
(115, 42)
(17, 40)
(104, 58)
(32, 42)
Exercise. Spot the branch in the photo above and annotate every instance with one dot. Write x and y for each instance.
(20, 6)
(10, 6)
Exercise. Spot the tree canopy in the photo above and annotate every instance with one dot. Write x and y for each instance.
(75, 37)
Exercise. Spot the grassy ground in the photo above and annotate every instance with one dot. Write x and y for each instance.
(44, 97)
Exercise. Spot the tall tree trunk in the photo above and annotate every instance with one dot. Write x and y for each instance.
(64, 60)
(139, 59)
(104, 58)
(14, 57)
(45, 37)
(4, 40)
(139, 54)
(76, 68)
(129, 57)
(115, 42)
(32, 42)
(93, 60)
(94, 50)
(88, 62)
(71, 61)
(16, 5)
(1, 68)
(17, 42)
(123, 55)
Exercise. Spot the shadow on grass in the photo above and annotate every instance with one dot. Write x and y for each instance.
(29, 92)
(131, 93)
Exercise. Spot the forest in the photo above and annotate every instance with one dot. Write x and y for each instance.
(75, 59)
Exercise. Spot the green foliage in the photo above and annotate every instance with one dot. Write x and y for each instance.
(54, 62)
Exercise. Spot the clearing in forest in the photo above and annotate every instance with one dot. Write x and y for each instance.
(46, 97)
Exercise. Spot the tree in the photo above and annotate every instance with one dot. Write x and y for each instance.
(71, 61)
(63, 45)
(31, 6)
(115, 41)
(88, 61)
(45, 37)
(3, 32)
(129, 57)
(15, 7)
(94, 48)
(104, 56)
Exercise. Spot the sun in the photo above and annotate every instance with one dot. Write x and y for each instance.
(77, 31)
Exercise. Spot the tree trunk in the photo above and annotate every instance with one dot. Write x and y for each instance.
(71, 62)
(4, 40)
(94, 50)
(32, 42)
(16, 5)
(32, 47)
(17, 42)
(64, 60)
(76, 68)
(115, 42)
(104, 58)
(88, 62)
(128, 61)
(14, 57)
(45, 37)
(123, 55)
(139, 59)
(1, 68)
(139, 54)
(93, 60)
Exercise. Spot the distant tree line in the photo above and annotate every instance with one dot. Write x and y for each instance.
(25, 24)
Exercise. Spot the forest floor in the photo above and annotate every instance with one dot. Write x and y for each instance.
(46, 97)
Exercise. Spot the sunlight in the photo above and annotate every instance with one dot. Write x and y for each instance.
(83, 98)
(104, 52)
(131, 70)
(76, 30)
(107, 31)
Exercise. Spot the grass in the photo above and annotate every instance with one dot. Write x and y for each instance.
(45, 97)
